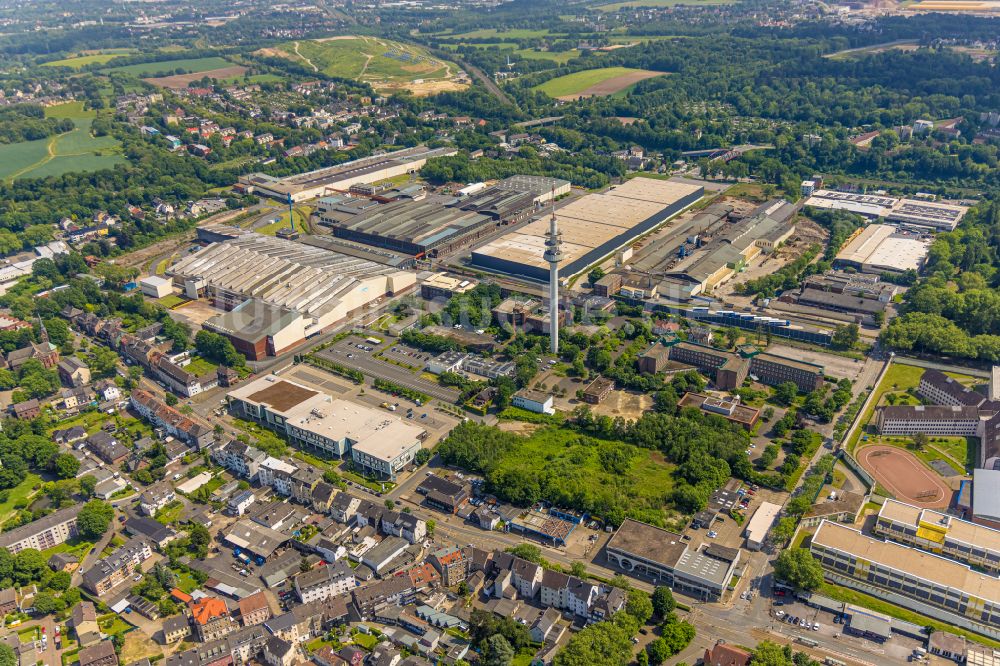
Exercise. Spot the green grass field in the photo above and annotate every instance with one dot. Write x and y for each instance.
(19, 494)
(615, 6)
(76, 150)
(200, 366)
(380, 62)
(576, 83)
(561, 57)
(78, 61)
(167, 67)
(301, 219)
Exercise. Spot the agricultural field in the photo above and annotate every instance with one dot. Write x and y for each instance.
(76, 150)
(88, 58)
(595, 82)
(182, 81)
(385, 64)
(168, 67)
(628, 4)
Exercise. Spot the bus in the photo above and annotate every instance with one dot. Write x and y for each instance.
(373, 341)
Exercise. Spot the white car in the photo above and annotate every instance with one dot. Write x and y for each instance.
(815, 626)
(779, 613)
(803, 622)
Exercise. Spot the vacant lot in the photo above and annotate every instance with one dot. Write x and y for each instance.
(167, 67)
(594, 82)
(181, 81)
(383, 63)
(573, 470)
(76, 150)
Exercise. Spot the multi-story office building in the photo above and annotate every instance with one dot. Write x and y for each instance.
(936, 532)
(772, 370)
(924, 582)
(379, 443)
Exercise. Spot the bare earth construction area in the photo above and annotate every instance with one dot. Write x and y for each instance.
(905, 477)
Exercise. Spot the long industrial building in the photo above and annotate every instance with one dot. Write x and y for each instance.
(276, 293)
(377, 442)
(905, 212)
(339, 178)
(880, 248)
(924, 582)
(591, 227)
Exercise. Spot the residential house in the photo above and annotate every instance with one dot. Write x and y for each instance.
(404, 525)
(102, 654)
(211, 619)
(724, 654)
(278, 652)
(254, 609)
(107, 448)
(83, 621)
(175, 628)
(73, 372)
(155, 498)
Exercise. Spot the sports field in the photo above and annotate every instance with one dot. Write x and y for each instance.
(905, 477)
(76, 150)
(385, 64)
(594, 82)
(88, 58)
(168, 67)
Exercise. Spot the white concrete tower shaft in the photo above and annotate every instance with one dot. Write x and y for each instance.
(553, 255)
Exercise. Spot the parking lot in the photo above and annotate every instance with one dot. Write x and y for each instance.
(797, 620)
(347, 352)
(407, 355)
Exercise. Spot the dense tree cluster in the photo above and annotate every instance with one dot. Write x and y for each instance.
(27, 122)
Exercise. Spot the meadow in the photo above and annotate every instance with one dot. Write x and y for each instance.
(76, 150)
(83, 59)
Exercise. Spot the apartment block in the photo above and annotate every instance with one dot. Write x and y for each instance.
(108, 572)
(47, 532)
(325, 581)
